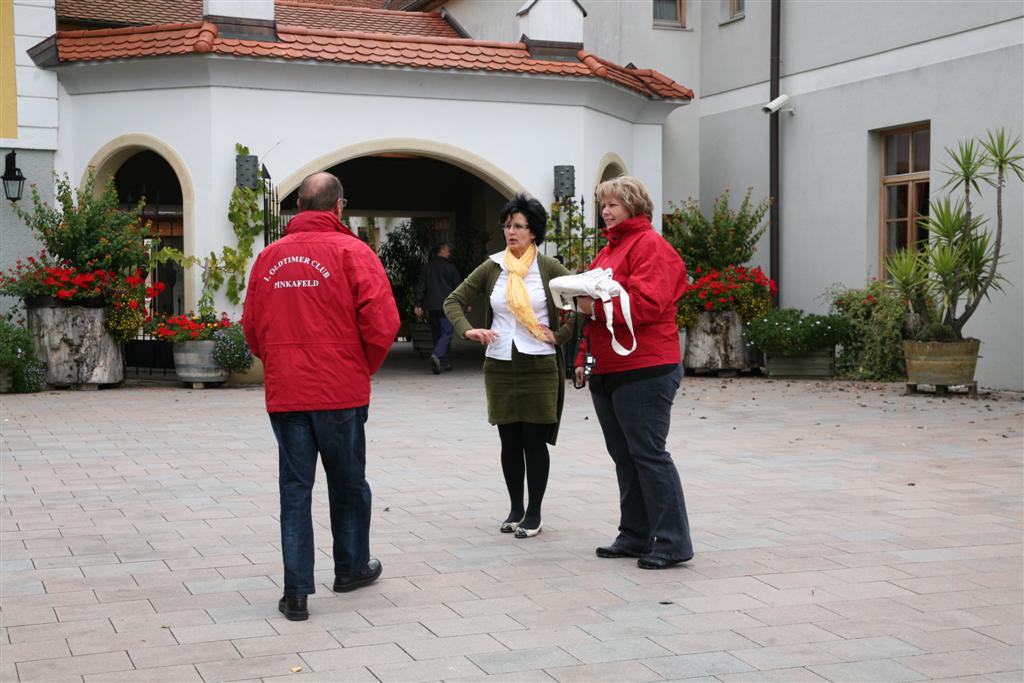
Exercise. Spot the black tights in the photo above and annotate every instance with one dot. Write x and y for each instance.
(524, 451)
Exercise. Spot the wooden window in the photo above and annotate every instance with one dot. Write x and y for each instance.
(670, 13)
(906, 163)
(730, 11)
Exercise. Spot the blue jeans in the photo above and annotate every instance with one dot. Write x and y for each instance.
(338, 436)
(441, 331)
(635, 421)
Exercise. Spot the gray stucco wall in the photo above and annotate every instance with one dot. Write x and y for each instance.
(816, 34)
(830, 181)
(16, 240)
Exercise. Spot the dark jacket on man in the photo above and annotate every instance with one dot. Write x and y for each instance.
(437, 280)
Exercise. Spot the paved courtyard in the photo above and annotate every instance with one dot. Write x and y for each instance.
(843, 532)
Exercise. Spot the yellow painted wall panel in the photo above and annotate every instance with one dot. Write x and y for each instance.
(8, 82)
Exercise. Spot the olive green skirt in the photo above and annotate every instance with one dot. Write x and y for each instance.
(524, 389)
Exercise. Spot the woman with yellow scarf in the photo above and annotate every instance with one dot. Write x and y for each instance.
(524, 372)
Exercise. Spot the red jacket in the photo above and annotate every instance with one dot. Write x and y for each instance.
(320, 314)
(655, 277)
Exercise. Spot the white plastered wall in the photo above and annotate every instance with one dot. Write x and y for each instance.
(295, 133)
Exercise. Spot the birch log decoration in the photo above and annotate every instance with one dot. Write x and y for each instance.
(716, 342)
(74, 343)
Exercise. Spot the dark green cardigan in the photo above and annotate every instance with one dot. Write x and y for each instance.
(482, 281)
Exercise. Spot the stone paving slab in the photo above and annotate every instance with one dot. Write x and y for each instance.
(843, 532)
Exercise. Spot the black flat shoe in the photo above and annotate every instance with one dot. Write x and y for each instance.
(652, 562)
(612, 551)
(369, 572)
(511, 523)
(293, 607)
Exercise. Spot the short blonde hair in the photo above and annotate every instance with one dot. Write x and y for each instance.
(631, 192)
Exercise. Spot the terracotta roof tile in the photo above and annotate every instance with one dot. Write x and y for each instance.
(339, 15)
(410, 51)
(131, 11)
(317, 14)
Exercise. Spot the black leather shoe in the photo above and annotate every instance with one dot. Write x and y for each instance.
(614, 551)
(369, 572)
(435, 364)
(293, 607)
(652, 562)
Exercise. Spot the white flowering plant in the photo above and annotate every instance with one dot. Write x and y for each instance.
(790, 331)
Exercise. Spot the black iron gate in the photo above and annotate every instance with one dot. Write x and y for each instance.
(273, 221)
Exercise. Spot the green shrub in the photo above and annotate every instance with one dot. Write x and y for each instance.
(728, 238)
(873, 319)
(789, 331)
(230, 349)
(18, 352)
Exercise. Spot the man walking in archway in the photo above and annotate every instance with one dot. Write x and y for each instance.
(437, 280)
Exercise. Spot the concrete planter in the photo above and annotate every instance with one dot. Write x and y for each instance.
(818, 363)
(252, 376)
(193, 363)
(941, 363)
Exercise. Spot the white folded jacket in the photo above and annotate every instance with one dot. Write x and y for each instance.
(596, 284)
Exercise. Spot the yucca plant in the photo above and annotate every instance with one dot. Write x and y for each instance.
(945, 280)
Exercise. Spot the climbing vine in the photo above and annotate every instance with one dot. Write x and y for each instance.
(231, 266)
(246, 216)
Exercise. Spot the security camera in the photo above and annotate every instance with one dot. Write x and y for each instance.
(777, 105)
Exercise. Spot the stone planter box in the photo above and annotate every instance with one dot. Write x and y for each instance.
(194, 364)
(74, 343)
(820, 363)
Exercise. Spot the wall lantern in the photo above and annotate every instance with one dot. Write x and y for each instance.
(14, 181)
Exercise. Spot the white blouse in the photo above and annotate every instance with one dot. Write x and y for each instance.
(505, 322)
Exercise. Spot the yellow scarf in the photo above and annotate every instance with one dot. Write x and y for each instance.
(515, 291)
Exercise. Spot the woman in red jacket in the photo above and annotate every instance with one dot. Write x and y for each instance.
(633, 394)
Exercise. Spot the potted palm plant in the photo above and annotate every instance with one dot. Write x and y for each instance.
(945, 280)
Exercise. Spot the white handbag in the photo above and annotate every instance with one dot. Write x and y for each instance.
(596, 284)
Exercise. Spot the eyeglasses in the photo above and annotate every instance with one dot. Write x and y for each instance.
(515, 226)
(344, 202)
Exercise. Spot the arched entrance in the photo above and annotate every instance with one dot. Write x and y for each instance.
(145, 167)
(408, 196)
(610, 166)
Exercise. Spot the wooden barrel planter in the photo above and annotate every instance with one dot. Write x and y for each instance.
(194, 364)
(941, 364)
(74, 343)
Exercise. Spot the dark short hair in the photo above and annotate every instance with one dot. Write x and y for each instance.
(536, 216)
(319, 192)
(439, 246)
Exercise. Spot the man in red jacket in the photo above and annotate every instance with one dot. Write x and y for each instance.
(320, 314)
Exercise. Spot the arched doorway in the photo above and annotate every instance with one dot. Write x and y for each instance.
(610, 166)
(144, 166)
(146, 176)
(421, 192)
